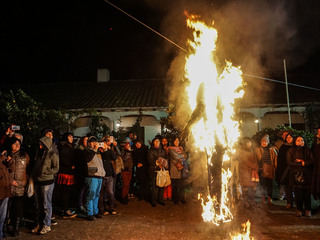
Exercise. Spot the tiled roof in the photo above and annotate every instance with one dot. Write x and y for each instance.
(150, 93)
(105, 95)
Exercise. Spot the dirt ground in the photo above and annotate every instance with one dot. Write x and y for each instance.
(139, 220)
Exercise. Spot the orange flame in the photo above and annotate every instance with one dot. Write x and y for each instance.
(246, 232)
(217, 92)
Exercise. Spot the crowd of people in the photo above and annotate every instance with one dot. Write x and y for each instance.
(96, 171)
(289, 163)
(86, 177)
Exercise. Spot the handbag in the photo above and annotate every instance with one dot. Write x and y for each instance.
(267, 171)
(254, 176)
(163, 178)
(118, 165)
(30, 189)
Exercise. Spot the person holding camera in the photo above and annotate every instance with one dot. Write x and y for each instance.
(107, 193)
(93, 180)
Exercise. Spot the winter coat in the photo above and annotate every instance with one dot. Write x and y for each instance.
(140, 155)
(94, 162)
(282, 171)
(305, 154)
(5, 180)
(315, 185)
(247, 163)
(46, 163)
(176, 155)
(107, 157)
(81, 169)
(273, 157)
(153, 155)
(19, 172)
(126, 156)
(66, 158)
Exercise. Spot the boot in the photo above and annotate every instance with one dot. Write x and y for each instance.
(270, 201)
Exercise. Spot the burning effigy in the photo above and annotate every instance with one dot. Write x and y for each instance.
(212, 125)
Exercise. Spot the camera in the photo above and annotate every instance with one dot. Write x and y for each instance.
(111, 139)
(15, 127)
(101, 144)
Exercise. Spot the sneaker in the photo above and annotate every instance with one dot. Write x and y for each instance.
(299, 214)
(53, 218)
(45, 230)
(69, 214)
(90, 218)
(82, 209)
(105, 213)
(308, 213)
(54, 222)
(113, 212)
(36, 229)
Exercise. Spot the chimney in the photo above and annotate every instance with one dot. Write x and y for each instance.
(103, 75)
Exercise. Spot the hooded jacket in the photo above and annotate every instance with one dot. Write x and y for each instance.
(46, 163)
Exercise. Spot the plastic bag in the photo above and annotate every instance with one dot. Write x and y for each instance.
(163, 178)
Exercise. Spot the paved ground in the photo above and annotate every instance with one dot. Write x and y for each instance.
(138, 220)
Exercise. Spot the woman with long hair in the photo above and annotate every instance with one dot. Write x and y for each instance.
(300, 160)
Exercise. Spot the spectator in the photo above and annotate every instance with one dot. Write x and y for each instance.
(267, 159)
(283, 170)
(80, 172)
(282, 136)
(5, 189)
(178, 159)
(315, 186)
(247, 165)
(300, 159)
(66, 181)
(93, 181)
(140, 160)
(126, 173)
(156, 160)
(19, 172)
(45, 167)
(167, 190)
(107, 183)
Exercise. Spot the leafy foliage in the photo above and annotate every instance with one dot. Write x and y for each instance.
(308, 137)
(20, 109)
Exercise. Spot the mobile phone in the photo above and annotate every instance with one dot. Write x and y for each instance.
(15, 127)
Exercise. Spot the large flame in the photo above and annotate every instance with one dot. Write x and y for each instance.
(217, 92)
(245, 235)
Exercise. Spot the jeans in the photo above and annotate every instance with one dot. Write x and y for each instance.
(43, 199)
(93, 187)
(3, 214)
(107, 187)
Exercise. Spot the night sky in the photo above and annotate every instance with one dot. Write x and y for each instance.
(66, 41)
